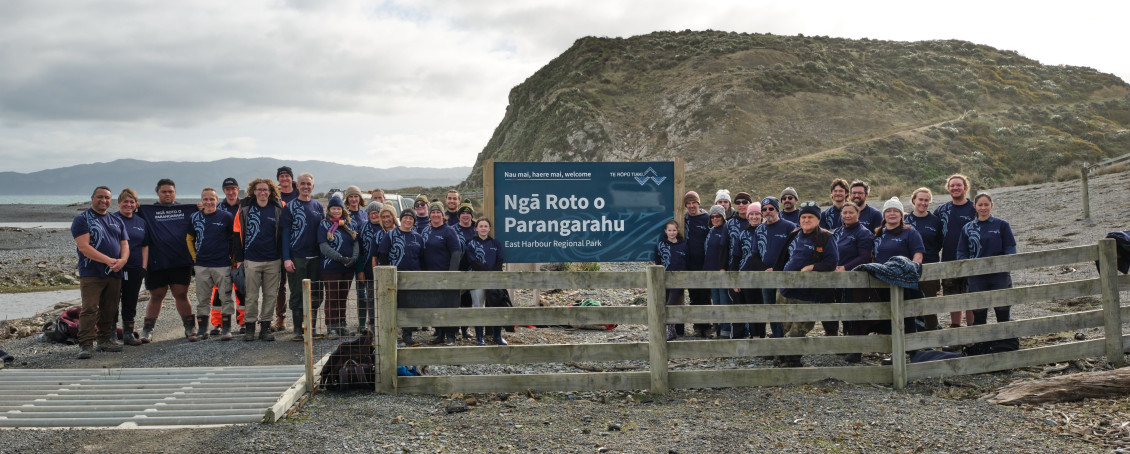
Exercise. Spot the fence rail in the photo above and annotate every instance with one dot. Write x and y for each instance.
(657, 352)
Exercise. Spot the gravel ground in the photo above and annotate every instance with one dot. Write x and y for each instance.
(929, 416)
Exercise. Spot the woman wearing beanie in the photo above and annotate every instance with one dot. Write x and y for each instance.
(987, 236)
(895, 238)
(745, 255)
(854, 243)
(354, 205)
(340, 249)
(717, 258)
(369, 234)
(671, 252)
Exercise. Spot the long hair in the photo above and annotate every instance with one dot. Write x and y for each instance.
(663, 234)
(270, 184)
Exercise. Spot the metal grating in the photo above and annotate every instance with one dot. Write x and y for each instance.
(133, 398)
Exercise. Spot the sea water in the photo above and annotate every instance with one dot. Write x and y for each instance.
(26, 199)
(24, 305)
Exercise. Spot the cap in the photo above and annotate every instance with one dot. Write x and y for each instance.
(230, 182)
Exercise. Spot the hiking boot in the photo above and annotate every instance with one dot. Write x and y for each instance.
(189, 328)
(215, 331)
(249, 334)
(146, 335)
(265, 332)
(85, 352)
(130, 338)
(108, 347)
(225, 328)
(242, 329)
(202, 324)
(406, 337)
(190, 334)
(498, 340)
(279, 325)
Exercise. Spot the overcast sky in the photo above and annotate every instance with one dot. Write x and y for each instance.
(396, 83)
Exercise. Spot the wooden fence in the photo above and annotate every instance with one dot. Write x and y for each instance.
(658, 352)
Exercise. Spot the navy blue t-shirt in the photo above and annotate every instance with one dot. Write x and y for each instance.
(854, 245)
(870, 217)
(300, 226)
(403, 248)
(212, 238)
(465, 233)
(930, 227)
(341, 242)
(673, 256)
(168, 226)
(802, 252)
(905, 244)
(953, 218)
(452, 218)
(735, 226)
(717, 249)
(695, 229)
(287, 197)
(138, 238)
(369, 236)
(484, 254)
(744, 254)
(830, 218)
(440, 243)
(421, 222)
(106, 235)
(259, 241)
(771, 240)
(793, 217)
(233, 210)
(988, 238)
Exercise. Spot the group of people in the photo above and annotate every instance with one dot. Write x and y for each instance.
(781, 233)
(274, 237)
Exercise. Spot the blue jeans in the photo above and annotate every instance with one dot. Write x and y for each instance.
(719, 297)
(769, 296)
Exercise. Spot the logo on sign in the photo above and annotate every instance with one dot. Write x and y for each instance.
(650, 174)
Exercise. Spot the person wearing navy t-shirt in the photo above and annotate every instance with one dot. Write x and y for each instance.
(465, 225)
(805, 253)
(671, 252)
(868, 215)
(483, 254)
(402, 248)
(771, 236)
(258, 250)
(369, 234)
(300, 253)
(230, 204)
(717, 258)
(420, 208)
(134, 272)
(451, 203)
(170, 265)
(102, 244)
(696, 223)
(442, 252)
(745, 256)
(339, 248)
(853, 243)
(954, 215)
(789, 201)
(830, 217)
(930, 227)
(894, 238)
(987, 236)
(209, 242)
(285, 177)
(355, 206)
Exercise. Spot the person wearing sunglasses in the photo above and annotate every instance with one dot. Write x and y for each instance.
(789, 201)
(735, 225)
(773, 234)
(696, 224)
(810, 249)
(420, 207)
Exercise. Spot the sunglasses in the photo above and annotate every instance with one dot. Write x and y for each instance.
(741, 202)
(420, 204)
(768, 208)
(788, 197)
(808, 204)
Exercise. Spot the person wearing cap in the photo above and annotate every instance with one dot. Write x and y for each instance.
(402, 248)
(771, 236)
(420, 208)
(717, 258)
(671, 253)
(442, 252)
(810, 249)
(285, 178)
(894, 238)
(987, 236)
(868, 215)
(355, 205)
(259, 251)
(830, 217)
(745, 255)
(210, 244)
(369, 235)
(696, 224)
(230, 204)
(955, 214)
(451, 202)
(854, 244)
(339, 250)
(231, 196)
(300, 251)
(789, 201)
(930, 227)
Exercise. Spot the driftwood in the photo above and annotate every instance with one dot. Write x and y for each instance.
(1065, 388)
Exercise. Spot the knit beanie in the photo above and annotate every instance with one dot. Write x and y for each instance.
(389, 207)
(282, 170)
(353, 190)
(754, 207)
(465, 207)
(372, 206)
(789, 191)
(435, 206)
(895, 203)
(717, 210)
(743, 195)
(691, 195)
(422, 198)
(771, 201)
(403, 214)
(722, 194)
(810, 207)
(335, 201)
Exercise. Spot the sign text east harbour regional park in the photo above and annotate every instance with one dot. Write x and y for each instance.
(581, 211)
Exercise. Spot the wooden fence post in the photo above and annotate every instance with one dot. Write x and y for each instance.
(1112, 311)
(657, 327)
(307, 337)
(898, 339)
(385, 337)
(1086, 195)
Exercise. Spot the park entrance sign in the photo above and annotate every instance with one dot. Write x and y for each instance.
(581, 211)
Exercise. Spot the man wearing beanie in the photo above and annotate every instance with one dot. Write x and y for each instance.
(811, 250)
(789, 203)
(420, 208)
(696, 224)
(722, 197)
(285, 177)
(772, 233)
(300, 252)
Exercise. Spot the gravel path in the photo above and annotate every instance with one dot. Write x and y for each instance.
(929, 416)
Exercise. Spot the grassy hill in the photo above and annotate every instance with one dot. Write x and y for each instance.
(761, 112)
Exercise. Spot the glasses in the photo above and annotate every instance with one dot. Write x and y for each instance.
(741, 202)
(768, 208)
(808, 204)
(420, 204)
(788, 197)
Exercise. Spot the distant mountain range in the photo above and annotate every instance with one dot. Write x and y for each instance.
(190, 177)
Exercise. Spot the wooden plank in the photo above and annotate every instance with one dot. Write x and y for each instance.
(740, 378)
(657, 328)
(307, 337)
(898, 341)
(287, 400)
(782, 346)
(1004, 361)
(461, 280)
(1006, 297)
(961, 268)
(385, 306)
(1018, 328)
(778, 312)
(523, 354)
(680, 189)
(1124, 282)
(775, 279)
(488, 193)
(504, 316)
(622, 381)
(1108, 274)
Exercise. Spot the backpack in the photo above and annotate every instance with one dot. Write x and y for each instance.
(58, 331)
(993, 346)
(350, 365)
